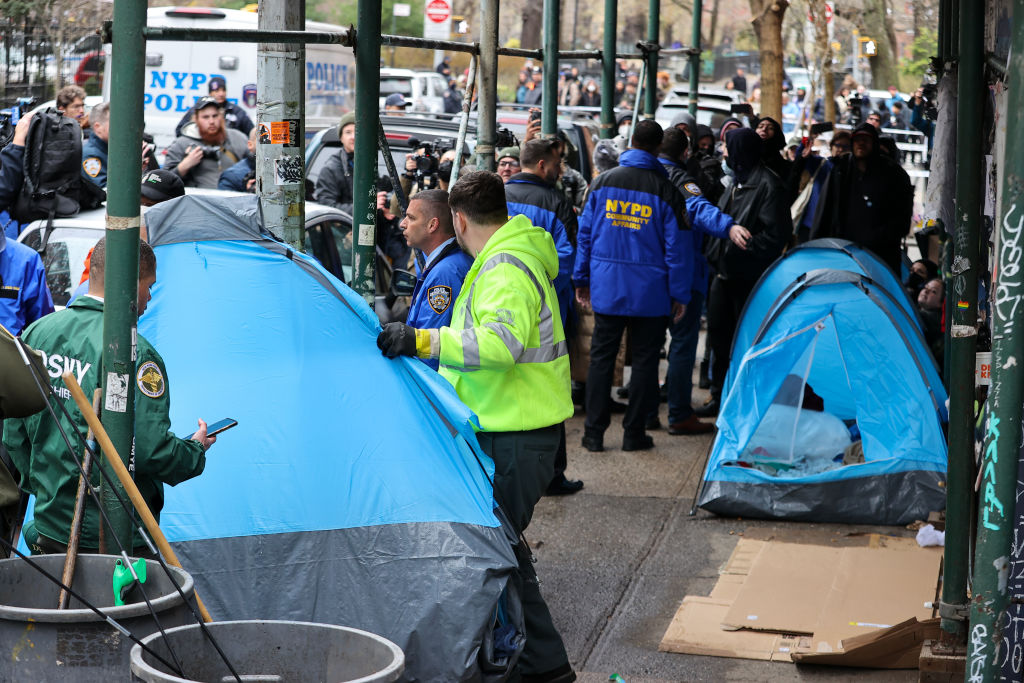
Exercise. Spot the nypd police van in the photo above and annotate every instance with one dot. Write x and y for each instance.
(178, 73)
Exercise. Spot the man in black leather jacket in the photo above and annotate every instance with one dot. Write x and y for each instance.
(757, 200)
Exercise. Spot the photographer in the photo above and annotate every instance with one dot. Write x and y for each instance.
(242, 176)
(206, 147)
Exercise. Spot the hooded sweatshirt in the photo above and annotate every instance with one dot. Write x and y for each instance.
(505, 352)
(771, 151)
(631, 250)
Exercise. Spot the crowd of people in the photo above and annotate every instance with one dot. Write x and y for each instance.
(527, 281)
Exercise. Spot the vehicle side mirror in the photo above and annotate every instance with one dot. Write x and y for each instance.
(402, 282)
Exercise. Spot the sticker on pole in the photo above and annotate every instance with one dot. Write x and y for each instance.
(288, 170)
(366, 235)
(280, 132)
(439, 11)
(117, 393)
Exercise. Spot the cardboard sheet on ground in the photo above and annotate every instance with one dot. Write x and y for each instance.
(775, 599)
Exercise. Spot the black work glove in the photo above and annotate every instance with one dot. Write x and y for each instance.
(397, 339)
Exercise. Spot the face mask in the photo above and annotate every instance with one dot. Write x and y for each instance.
(726, 168)
(914, 281)
(591, 88)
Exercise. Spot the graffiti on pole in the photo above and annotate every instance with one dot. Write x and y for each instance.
(1008, 287)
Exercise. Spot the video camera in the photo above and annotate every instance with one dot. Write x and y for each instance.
(855, 114)
(425, 175)
(10, 117)
(505, 138)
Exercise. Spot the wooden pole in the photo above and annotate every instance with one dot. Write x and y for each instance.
(71, 556)
(126, 480)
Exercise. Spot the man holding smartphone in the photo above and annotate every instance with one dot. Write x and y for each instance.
(72, 340)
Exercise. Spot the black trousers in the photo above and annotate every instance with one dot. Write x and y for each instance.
(523, 467)
(726, 299)
(647, 336)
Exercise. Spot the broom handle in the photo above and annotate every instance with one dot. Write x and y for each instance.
(71, 557)
(126, 480)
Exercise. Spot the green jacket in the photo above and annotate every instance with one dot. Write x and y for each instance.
(505, 351)
(72, 340)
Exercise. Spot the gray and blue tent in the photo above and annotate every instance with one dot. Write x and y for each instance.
(353, 490)
(833, 408)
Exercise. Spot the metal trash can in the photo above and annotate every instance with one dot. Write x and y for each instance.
(272, 652)
(39, 642)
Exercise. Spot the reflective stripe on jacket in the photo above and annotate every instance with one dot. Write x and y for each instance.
(505, 352)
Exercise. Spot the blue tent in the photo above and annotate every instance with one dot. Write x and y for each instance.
(353, 490)
(832, 410)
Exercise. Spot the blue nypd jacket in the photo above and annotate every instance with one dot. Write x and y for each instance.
(547, 208)
(634, 248)
(437, 288)
(24, 296)
(94, 160)
(705, 217)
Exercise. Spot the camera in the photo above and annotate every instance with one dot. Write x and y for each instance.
(425, 174)
(854, 111)
(209, 151)
(505, 138)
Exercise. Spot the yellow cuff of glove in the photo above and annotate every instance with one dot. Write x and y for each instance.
(427, 344)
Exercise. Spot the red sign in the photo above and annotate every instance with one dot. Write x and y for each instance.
(439, 11)
(828, 14)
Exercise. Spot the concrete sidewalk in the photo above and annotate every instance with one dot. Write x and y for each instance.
(616, 560)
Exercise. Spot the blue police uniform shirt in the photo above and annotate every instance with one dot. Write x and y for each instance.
(24, 296)
(437, 288)
(94, 160)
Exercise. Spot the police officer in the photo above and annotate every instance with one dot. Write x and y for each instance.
(234, 116)
(94, 150)
(427, 226)
(505, 354)
(634, 267)
(73, 340)
(532, 193)
(706, 219)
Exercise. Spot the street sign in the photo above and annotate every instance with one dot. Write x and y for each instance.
(868, 47)
(439, 11)
(437, 20)
(402, 9)
(828, 14)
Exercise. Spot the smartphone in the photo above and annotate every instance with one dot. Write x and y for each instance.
(215, 428)
(535, 115)
(819, 128)
(741, 108)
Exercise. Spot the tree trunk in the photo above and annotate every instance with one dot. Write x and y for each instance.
(876, 26)
(823, 57)
(714, 25)
(532, 25)
(768, 27)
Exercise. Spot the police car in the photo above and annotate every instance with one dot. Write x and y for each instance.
(65, 246)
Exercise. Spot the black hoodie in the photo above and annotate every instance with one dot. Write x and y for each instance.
(772, 150)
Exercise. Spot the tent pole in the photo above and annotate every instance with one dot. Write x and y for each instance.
(997, 507)
(964, 329)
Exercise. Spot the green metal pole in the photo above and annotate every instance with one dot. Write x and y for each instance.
(653, 31)
(487, 115)
(964, 329)
(698, 11)
(997, 504)
(121, 277)
(364, 194)
(611, 8)
(549, 103)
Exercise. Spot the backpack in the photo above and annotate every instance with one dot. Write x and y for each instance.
(54, 182)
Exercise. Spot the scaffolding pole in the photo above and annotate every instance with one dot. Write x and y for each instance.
(963, 288)
(121, 279)
(997, 497)
(549, 101)
(608, 70)
(487, 127)
(364, 175)
(653, 29)
(698, 12)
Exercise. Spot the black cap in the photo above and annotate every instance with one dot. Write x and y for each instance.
(218, 83)
(160, 185)
(204, 102)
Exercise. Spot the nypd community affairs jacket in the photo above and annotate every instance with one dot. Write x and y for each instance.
(634, 249)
